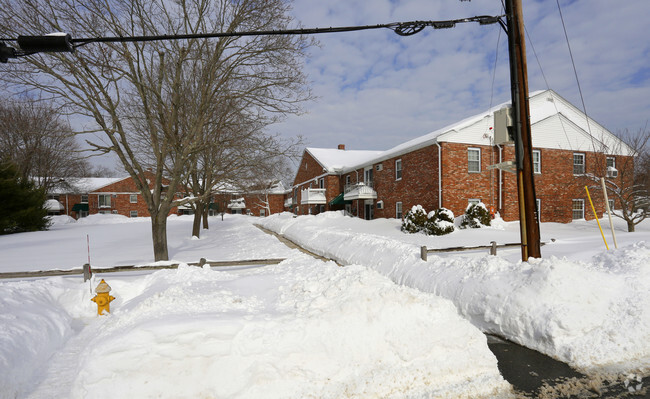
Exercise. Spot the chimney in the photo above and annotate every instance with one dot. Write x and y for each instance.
(342, 147)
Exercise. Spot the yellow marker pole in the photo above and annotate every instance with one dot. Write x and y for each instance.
(596, 216)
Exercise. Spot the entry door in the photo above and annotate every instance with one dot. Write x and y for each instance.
(369, 211)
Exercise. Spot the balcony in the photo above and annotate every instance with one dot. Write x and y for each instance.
(313, 196)
(237, 204)
(359, 191)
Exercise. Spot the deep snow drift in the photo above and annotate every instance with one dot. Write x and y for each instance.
(300, 329)
(582, 305)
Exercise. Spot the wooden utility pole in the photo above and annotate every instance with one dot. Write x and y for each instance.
(529, 222)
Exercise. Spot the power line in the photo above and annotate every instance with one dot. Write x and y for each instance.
(65, 43)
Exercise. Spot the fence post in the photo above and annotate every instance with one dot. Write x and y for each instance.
(493, 250)
(87, 273)
(423, 253)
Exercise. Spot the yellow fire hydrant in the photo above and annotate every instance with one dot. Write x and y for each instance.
(102, 299)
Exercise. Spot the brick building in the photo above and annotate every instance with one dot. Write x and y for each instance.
(451, 168)
(80, 197)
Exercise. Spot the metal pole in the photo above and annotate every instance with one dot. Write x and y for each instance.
(609, 211)
(529, 223)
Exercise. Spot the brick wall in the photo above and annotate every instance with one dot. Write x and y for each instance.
(307, 176)
(418, 184)
(556, 186)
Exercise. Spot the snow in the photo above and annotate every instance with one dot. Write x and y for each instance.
(300, 329)
(334, 160)
(387, 324)
(580, 304)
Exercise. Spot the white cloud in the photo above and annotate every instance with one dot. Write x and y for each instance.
(378, 89)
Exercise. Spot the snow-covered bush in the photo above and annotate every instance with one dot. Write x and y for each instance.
(476, 216)
(441, 222)
(415, 220)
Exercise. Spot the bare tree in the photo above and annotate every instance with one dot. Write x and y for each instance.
(626, 177)
(39, 142)
(135, 94)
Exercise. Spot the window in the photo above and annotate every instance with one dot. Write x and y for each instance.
(347, 179)
(321, 182)
(474, 160)
(133, 214)
(578, 164)
(611, 162)
(84, 198)
(367, 176)
(114, 212)
(578, 209)
(104, 200)
(537, 161)
(133, 198)
(398, 210)
(473, 201)
(262, 212)
(611, 204)
(398, 169)
(538, 202)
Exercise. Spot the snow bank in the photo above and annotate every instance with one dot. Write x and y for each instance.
(33, 325)
(293, 330)
(594, 315)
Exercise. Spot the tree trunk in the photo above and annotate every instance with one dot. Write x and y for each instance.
(198, 215)
(205, 218)
(159, 236)
(630, 226)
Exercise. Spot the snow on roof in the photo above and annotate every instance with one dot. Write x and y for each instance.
(53, 205)
(583, 134)
(334, 160)
(83, 184)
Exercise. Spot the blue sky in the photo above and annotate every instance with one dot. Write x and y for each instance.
(376, 89)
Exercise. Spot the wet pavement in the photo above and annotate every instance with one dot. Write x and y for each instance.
(534, 375)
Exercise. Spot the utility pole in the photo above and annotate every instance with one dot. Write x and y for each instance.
(529, 222)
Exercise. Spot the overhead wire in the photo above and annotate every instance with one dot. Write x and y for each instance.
(575, 71)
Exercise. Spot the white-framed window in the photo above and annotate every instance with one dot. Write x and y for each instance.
(398, 169)
(473, 201)
(367, 176)
(578, 209)
(104, 200)
(114, 212)
(347, 179)
(578, 163)
(538, 202)
(474, 160)
(133, 198)
(611, 162)
(398, 210)
(321, 182)
(104, 212)
(84, 198)
(537, 161)
(611, 204)
(133, 214)
(262, 212)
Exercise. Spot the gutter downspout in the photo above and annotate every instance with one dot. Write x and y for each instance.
(439, 175)
(500, 178)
